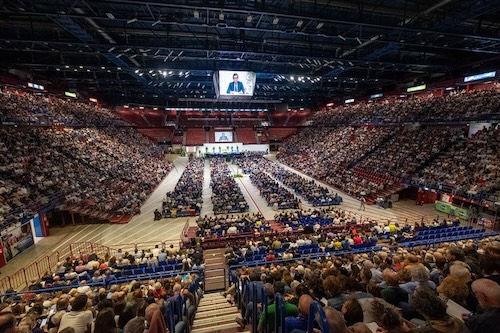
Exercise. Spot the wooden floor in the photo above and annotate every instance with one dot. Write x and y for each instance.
(142, 228)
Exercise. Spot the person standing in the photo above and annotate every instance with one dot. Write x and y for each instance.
(362, 203)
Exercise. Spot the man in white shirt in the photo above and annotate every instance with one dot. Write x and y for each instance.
(79, 318)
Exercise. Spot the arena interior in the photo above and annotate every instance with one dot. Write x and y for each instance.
(249, 166)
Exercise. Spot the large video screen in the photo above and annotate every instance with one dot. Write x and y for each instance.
(222, 136)
(236, 83)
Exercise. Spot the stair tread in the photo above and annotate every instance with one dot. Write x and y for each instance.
(217, 306)
(224, 317)
(213, 328)
(217, 321)
(207, 314)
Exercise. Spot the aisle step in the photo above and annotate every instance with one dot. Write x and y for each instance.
(212, 319)
(215, 328)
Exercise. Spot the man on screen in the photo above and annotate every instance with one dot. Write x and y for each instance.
(223, 137)
(235, 87)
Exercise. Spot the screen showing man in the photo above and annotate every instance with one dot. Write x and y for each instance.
(235, 84)
(223, 137)
(235, 87)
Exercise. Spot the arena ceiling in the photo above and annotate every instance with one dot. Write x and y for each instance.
(159, 52)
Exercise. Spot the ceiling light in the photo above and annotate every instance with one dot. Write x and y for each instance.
(249, 18)
(127, 49)
(299, 23)
(359, 40)
(341, 37)
(320, 25)
(136, 71)
(221, 16)
(292, 78)
(110, 16)
(276, 20)
(196, 14)
(132, 20)
(111, 49)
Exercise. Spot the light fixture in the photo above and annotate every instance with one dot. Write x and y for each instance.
(221, 16)
(156, 23)
(110, 16)
(249, 18)
(132, 20)
(320, 25)
(111, 49)
(136, 71)
(276, 20)
(359, 40)
(299, 23)
(341, 37)
(196, 14)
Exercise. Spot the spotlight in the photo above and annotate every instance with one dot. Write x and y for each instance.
(320, 25)
(276, 20)
(299, 23)
(221, 16)
(196, 14)
(341, 37)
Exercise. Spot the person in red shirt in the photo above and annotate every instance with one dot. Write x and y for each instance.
(271, 256)
(357, 240)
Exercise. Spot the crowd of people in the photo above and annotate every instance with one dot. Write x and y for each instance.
(471, 167)
(107, 169)
(186, 198)
(132, 307)
(226, 194)
(459, 105)
(450, 288)
(26, 108)
(275, 195)
(216, 226)
(314, 193)
(409, 149)
(394, 155)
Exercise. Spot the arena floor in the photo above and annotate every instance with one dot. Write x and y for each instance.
(142, 228)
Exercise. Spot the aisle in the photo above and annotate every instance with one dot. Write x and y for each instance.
(207, 207)
(252, 194)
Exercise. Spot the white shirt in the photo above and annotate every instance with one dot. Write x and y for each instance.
(79, 320)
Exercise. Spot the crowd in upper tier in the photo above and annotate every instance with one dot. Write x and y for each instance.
(107, 169)
(25, 108)
(454, 106)
(471, 166)
(432, 155)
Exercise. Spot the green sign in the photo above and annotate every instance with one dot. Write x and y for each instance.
(416, 88)
(442, 207)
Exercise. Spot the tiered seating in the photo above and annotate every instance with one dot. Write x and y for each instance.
(26, 108)
(185, 199)
(133, 117)
(227, 196)
(246, 135)
(280, 132)
(106, 170)
(473, 172)
(195, 136)
(155, 118)
(158, 134)
(456, 106)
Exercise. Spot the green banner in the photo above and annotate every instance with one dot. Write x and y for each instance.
(443, 207)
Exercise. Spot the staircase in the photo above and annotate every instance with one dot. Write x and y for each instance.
(215, 315)
(215, 269)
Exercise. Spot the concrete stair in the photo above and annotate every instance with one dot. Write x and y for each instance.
(215, 315)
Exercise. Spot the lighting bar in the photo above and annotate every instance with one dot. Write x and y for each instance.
(481, 76)
(350, 100)
(70, 94)
(416, 88)
(36, 86)
(93, 100)
(377, 95)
